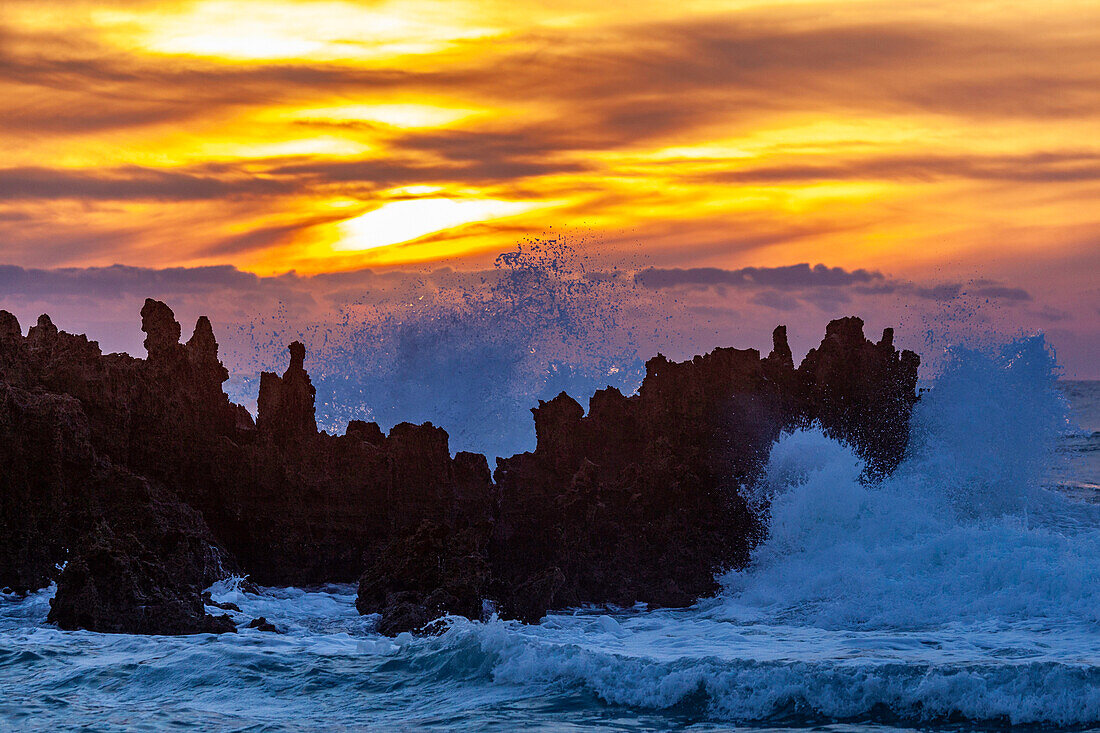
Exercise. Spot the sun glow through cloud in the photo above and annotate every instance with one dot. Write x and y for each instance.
(260, 31)
(328, 136)
(403, 221)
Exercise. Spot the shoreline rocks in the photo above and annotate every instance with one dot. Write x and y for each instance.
(146, 483)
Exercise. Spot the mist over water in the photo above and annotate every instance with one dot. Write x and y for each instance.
(961, 593)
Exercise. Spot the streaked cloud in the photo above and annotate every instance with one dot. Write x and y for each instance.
(916, 149)
(791, 276)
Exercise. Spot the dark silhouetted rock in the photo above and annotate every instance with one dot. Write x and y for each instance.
(639, 501)
(9, 327)
(162, 332)
(149, 483)
(286, 404)
(263, 624)
(207, 600)
(862, 392)
(437, 571)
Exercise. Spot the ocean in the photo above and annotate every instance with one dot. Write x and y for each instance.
(962, 593)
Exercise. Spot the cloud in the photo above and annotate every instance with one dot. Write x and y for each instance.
(1038, 167)
(609, 83)
(787, 288)
(130, 183)
(119, 281)
(393, 171)
(791, 276)
(1000, 292)
(774, 299)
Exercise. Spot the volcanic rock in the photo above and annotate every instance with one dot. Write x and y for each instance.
(279, 500)
(434, 572)
(640, 500)
(146, 483)
(263, 624)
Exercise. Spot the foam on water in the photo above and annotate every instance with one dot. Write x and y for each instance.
(959, 593)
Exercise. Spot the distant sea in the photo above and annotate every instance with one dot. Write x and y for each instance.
(962, 593)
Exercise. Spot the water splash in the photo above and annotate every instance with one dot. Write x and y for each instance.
(472, 357)
(962, 531)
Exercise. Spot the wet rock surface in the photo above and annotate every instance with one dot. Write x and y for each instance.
(145, 483)
(262, 624)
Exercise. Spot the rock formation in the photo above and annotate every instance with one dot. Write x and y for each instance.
(639, 500)
(286, 404)
(144, 482)
(135, 557)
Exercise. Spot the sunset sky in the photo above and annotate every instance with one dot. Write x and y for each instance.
(926, 144)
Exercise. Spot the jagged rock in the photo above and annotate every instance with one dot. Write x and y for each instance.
(202, 351)
(136, 558)
(75, 427)
(862, 392)
(533, 597)
(207, 600)
(263, 624)
(47, 467)
(286, 404)
(368, 432)
(140, 567)
(300, 516)
(417, 579)
(162, 331)
(9, 327)
(43, 333)
(639, 500)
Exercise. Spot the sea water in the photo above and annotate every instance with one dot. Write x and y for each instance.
(961, 593)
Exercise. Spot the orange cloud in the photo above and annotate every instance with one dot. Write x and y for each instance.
(329, 136)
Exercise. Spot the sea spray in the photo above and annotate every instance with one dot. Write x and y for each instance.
(958, 533)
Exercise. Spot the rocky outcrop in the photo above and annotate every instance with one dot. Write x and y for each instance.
(861, 392)
(135, 557)
(640, 500)
(286, 404)
(438, 570)
(277, 499)
(140, 568)
(143, 481)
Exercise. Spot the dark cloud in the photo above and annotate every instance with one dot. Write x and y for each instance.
(129, 183)
(394, 171)
(775, 299)
(1001, 292)
(946, 291)
(1046, 92)
(787, 288)
(614, 85)
(791, 276)
(120, 280)
(1043, 167)
(1052, 315)
(256, 239)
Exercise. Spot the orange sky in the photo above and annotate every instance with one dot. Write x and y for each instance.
(925, 140)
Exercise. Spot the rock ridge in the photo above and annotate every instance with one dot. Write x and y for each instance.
(145, 483)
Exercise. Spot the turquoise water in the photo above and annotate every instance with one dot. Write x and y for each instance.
(963, 593)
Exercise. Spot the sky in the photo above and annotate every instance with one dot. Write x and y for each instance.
(929, 165)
